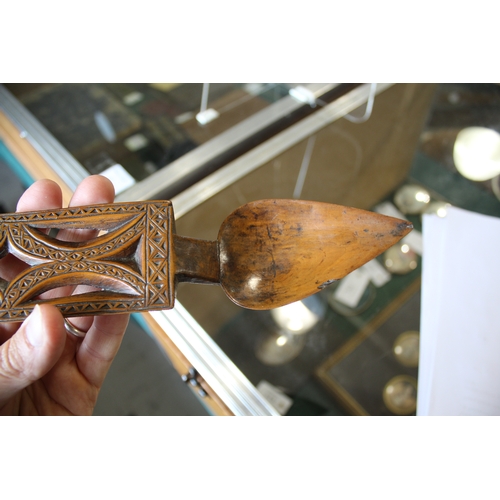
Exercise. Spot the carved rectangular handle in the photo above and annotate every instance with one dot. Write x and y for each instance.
(130, 263)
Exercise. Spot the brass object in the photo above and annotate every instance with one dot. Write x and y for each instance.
(438, 208)
(406, 348)
(400, 395)
(357, 372)
(412, 199)
(400, 259)
(280, 347)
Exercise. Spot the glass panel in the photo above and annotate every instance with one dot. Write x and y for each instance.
(142, 127)
(352, 348)
(335, 354)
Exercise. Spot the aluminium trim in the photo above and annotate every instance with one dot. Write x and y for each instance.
(57, 157)
(265, 152)
(194, 160)
(218, 371)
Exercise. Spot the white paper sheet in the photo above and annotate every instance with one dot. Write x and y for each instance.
(459, 369)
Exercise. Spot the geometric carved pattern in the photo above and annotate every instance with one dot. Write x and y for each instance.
(158, 248)
(130, 264)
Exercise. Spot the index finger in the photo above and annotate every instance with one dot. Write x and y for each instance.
(92, 190)
(41, 195)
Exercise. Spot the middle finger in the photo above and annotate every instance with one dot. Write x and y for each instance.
(92, 191)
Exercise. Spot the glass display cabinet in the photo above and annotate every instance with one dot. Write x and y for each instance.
(351, 348)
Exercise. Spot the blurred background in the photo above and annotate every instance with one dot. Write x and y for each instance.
(399, 149)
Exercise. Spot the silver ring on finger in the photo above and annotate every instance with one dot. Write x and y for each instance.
(70, 328)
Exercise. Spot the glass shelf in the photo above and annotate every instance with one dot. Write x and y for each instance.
(153, 132)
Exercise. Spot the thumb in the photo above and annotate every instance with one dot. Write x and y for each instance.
(32, 351)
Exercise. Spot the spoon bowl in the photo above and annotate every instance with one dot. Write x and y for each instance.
(274, 252)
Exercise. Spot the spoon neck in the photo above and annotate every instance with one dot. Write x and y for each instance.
(196, 261)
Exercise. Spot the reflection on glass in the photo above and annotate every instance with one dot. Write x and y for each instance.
(281, 340)
(142, 127)
(439, 208)
(406, 348)
(280, 347)
(297, 317)
(400, 395)
(412, 199)
(293, 321)
(400, 259)
(495, 185)
(343, 309)
(476, 153)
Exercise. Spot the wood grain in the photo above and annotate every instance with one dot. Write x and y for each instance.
(273, 252)
(268, 253)
(129, 266)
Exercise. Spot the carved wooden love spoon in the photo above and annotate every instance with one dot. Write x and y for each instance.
(268, 253)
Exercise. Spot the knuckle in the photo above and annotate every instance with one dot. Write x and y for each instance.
(11, 362)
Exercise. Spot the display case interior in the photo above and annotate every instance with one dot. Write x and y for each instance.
(345, 359)
(352, 348)
(144, 128)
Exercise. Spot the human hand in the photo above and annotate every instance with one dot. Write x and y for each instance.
(43, 369)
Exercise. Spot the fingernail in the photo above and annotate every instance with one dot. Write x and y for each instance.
(33, 327)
